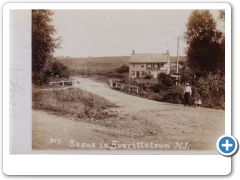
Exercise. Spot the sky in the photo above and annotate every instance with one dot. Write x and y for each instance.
(98, 33)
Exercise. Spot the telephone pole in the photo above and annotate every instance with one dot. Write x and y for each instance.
(177, 78)
(177, 53)
(85, 67)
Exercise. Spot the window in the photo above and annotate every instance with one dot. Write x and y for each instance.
(133, 72)
(142, 65)
(155, 65)
(149, 65)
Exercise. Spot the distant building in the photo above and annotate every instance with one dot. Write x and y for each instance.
(182, 63)
(142, 64)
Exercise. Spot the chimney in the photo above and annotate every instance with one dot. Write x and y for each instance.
(133, 52)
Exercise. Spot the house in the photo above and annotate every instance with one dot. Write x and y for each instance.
(182, 61)
(142, 64)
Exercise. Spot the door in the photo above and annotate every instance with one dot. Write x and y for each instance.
(137, 74)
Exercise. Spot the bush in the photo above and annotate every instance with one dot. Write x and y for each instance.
(71, 101)
(123, 69)
(148, 76)
(173, 95)
(59, 70)
(155, 96)
(165, 80)
(186, 77)
(156, 88)
(212, 90)
(115, 75)
(52, 70)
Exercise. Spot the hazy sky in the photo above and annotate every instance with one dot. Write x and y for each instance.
(117, 32)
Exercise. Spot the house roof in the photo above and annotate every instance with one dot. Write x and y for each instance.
(151, 58)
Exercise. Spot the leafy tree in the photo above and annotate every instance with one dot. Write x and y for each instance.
(44, 42)
(222, 15)
(222, 43)
(186, 77)
(123, 69)
(212, 89)
(165, 80)
(205, 43)
(54, 70)
(148, 76)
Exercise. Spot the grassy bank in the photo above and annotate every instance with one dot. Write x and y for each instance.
(174, 94)
(93, 65)
(73, 101)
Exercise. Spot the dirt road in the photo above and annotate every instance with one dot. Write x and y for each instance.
(138, 120)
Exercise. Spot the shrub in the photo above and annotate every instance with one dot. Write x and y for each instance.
(71, 101)
(155, 96)
(148, 76)
(115, 75)
(173, 95)
(212, 90)
(59, 70)
(156, 88)
(186, 77)
(165, 80)
(123, 69)
(52, 70)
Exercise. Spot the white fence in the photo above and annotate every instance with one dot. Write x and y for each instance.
(62, 83)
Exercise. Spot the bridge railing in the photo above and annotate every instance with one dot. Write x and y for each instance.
(124, 87)
(62, 83)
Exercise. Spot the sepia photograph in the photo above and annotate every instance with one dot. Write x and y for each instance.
(128, 80)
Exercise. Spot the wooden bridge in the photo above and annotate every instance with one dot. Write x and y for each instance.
(62, 83)
(121, 86)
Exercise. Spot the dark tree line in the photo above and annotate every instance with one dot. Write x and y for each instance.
(206, 57)
(206, 44)
(44, 43)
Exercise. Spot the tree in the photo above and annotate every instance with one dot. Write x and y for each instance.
(164, 80)
(222, 43)
(44, 43)
(212, 90)
(123, 69)
(205, 43)
(222, 15)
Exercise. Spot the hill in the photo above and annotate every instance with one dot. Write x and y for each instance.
(94, 65)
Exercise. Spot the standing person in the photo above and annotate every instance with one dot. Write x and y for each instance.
(187, 94)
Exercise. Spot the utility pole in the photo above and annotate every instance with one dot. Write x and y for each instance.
(177, 60)
(85, 67)
(177, 53)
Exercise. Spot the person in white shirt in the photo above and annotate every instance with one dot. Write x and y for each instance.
(187, 94)
(198, 101)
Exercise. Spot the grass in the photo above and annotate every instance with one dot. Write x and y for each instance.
(104, 68)
(73, 101)
(94, 65)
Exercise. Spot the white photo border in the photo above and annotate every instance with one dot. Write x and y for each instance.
(123, 164)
